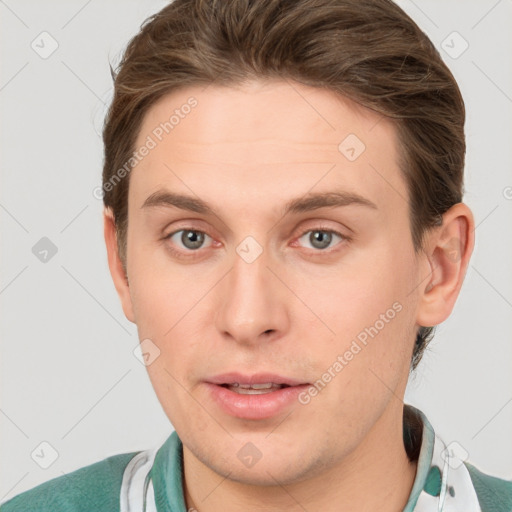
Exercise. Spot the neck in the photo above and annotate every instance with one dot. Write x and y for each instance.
(377, 475)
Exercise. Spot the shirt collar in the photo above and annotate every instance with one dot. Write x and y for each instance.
(425, 456)
(167, 476)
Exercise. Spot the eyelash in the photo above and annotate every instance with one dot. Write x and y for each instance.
(321, 229)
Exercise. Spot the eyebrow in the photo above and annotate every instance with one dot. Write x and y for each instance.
(309, 202)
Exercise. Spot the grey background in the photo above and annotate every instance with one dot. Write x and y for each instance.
(69, 374)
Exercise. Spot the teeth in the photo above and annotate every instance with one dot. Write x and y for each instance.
(267, 385)
(254, 389)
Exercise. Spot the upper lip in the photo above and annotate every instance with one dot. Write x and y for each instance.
(257, 378)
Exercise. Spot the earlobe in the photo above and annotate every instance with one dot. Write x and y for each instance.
(448, 250)
(115, 265)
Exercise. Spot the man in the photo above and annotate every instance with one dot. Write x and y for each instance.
(284, 224)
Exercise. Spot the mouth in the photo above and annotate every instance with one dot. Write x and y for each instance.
(254, 397)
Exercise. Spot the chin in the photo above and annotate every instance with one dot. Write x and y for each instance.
(268, 475)
(270, 468)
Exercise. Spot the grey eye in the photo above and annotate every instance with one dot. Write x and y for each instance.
(190, 238)
(320, 239)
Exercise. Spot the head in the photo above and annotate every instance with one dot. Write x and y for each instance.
(265, 114)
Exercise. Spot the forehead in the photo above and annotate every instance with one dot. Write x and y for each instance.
(256, 141)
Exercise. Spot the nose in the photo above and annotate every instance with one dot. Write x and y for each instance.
(252, 302)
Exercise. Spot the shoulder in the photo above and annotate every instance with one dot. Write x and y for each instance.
(494, 494)
(94, 487)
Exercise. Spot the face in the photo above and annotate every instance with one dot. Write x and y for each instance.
(291, 263)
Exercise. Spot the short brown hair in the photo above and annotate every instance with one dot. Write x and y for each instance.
(369, 51)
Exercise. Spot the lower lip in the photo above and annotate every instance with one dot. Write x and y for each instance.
(255, 407)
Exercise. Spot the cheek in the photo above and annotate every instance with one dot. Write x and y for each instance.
(354, 294)
(168, 300)
(367, 305)
(161, 293)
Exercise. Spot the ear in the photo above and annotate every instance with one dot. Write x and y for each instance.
(114, 262)
(447, 251)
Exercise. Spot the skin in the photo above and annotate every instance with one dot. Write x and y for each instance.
(247, 150)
